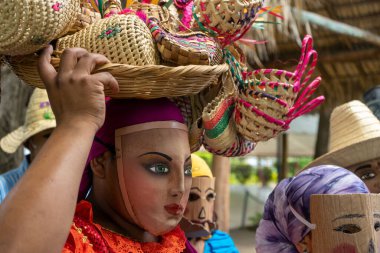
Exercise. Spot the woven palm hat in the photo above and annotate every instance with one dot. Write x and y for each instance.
(199, 167)
(29, 25)
(354, 136)
(39, 117)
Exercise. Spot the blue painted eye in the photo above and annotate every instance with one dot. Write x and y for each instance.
(188, 171)
(159, 169)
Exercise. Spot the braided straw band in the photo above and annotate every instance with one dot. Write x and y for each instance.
(119, 159)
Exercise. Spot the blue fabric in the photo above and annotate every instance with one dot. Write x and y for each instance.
(220, 242)
(9, 179)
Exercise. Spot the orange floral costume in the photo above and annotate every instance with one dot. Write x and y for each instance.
(88, 237)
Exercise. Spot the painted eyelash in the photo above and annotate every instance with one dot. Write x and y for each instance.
(348, 228)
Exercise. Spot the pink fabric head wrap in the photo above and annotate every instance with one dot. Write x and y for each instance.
(122, 113)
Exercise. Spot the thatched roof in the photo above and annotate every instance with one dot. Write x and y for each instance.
(346, 35)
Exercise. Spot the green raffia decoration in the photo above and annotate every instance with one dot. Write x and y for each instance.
(48, 115)
(222, 124)
(204, 29)
(110, 32)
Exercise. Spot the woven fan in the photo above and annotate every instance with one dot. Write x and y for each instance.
(270, 99)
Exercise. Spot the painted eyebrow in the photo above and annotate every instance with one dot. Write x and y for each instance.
(196, 188)
(350, 216)
(365, 166)
(209, 189)
(158, 153)
(376, 215)
(187, 159)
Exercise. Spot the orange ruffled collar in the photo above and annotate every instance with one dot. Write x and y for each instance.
(172, 242)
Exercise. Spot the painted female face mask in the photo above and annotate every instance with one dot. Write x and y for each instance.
(346, 223)
(154, 171)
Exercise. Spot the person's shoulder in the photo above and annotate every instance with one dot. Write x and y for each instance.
(220, 242)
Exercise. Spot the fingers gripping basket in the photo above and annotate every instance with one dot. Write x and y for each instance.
(270, 99)
(29, 25)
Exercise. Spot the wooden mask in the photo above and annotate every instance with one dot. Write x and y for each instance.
(348, 223)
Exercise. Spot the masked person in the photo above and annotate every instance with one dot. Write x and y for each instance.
(39, 123)
(286, 225)
(354, 142)
(200, 211)
(140, 163)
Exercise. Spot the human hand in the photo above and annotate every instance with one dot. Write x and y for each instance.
(76, 95)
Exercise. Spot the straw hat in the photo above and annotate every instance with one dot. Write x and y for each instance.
(27, 25)
(39, 117)
(354, 136)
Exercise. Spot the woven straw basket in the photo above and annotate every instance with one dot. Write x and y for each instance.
(127, 42)
(226, 18)
(29, 25)
(146, 82)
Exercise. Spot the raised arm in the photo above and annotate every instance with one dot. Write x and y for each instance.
(37, 214)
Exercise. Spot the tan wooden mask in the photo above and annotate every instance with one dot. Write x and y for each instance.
(347, 223)
(200, 207)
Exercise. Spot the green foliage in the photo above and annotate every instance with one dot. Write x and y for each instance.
(297, 164)
(242, 170)
(265, 175)
(205, 156)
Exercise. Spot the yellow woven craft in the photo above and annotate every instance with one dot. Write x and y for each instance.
(121, 38)
(29, 25)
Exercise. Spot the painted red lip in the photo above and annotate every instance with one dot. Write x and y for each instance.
(174, 209)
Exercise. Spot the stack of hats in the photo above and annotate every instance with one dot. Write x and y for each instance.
(183, 50)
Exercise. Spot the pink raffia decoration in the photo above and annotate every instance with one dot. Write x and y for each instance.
(187, 16)
(141, 14)
(57, 6)
(270, 99)
(249, 42)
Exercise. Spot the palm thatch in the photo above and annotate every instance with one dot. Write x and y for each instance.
(346, 35)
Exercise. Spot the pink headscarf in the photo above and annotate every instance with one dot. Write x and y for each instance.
(121, 113)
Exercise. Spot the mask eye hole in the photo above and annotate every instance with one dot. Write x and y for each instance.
(377, 226)
(210, 196)
(348, 229)
(193, 197)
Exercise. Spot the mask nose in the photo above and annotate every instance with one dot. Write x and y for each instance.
(177, 188)
(202, 214)
(371, 247)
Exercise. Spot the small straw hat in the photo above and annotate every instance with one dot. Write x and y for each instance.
(29, 25)
(354, 136)
(39, 117)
